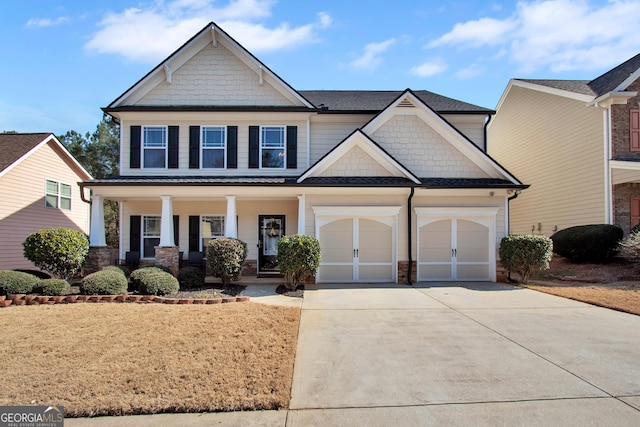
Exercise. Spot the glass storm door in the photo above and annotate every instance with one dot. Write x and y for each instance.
(271, 230)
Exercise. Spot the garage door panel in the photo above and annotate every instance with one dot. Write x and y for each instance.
(337, 241)
(375, 273)
(473, 242)
(336, 273)
(435, 242)
(374, 241)
(435, 272)
(473, 272)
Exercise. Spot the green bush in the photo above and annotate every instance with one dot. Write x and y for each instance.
(39, 274)
(104, 283)
(594, 243)
(225, 258)
(17, 282)
(60, 251)
(525, 254)
(53, 287)
(298, 258)
(158, 283)
(137, 275)
(190, 277)
(122, 269)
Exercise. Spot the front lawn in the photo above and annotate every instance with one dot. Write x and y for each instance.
(116, 359)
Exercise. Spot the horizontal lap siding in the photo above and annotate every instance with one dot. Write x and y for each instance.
(22, 210)
(327, 131)
(554, 144)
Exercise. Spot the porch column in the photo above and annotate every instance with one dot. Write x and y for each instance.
(301, 214)
(166, 223)
(230, 223)
(96, 231)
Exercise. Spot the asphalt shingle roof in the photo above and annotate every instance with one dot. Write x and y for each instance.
(377, 100)
(15, 145)
(612, 78)
(576, 86)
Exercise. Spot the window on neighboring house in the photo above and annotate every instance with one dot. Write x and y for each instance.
(57, 195)
(213, 146)
(154, 147)
(272, 147)
(150, 235)
(211, 227)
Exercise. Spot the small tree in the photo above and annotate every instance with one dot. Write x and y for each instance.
(60, 251)
(225, 258)
(298, 258)
(525, 254)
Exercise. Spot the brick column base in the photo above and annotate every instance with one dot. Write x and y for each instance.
(98, 258)
(403, 272)
(168, 256)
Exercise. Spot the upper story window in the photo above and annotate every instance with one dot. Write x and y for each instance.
(272, 147)
(634, 130)
(154, 147)
(213, 146)
(57, 195)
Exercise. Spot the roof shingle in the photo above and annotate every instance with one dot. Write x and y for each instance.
(15, 145)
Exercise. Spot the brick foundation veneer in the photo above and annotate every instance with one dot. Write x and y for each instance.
(98, 258)
(403, 272)
(168, 256)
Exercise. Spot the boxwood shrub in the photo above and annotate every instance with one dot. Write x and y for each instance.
(60, 251)
(593, 243)
(122, 269)
(17, 282)
(190, 278)
(104, 283)
(298, 258)
(225, 258)
(53, 287)
(137, 275)
(158, 283)
(525, 254)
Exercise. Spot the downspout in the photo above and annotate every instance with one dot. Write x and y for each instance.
(81, 185)
(515, 195)
(486, 124)
(409, 269)
(608, 196)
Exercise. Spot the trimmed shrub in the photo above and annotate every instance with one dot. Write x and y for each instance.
(60, 251)
(164, 268)
(158, 283)
(122, 269)
(137, 275)
(298, 258)
(190, 277)
(525, 254)
(104, 283)
(39, 274)
(53, 287)
(225, 258)
(594, 243)
(17, 282)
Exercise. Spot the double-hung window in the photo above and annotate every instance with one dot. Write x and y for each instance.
(213, 146)
(272, 147)
(211, 227)
(154, 147)
(57, 195)
(150, 235)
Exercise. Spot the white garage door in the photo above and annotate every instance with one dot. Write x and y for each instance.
(456, 248)
(357, 248)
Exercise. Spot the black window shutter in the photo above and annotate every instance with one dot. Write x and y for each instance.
(194, 147)
(173, 147)
(254, 147)
(232, 147)
(194, 233)
(292, 147)
(134, 233)
(176, 230)
(134, 147)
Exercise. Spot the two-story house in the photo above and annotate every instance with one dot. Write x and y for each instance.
(577, 143)
(394, 184)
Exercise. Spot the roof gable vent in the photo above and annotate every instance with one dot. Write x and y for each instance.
(406, 103)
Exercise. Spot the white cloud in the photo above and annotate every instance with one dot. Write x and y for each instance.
(149, 33)
(469, 72)
(561, 35)
(429, 68)
(371, 57)
(45, 22)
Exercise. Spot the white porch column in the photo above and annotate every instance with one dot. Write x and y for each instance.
(96, 231)
(230, 223)
(166, 224)
(301, 214)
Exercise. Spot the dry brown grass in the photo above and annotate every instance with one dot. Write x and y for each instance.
(116, 359)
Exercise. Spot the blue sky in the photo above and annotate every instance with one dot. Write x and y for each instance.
(63, 60)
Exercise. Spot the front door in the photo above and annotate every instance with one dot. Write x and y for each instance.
(271, 229)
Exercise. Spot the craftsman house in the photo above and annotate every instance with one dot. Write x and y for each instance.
(577, 143)
(38, 188)
(394, 184)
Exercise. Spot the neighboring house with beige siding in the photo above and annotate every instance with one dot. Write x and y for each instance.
(39, 189)
(577, 143)
(394, 184)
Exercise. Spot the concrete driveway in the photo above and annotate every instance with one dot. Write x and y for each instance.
(462, 354)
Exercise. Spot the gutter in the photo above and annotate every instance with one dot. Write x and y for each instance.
(486, 125)
(409, 269)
